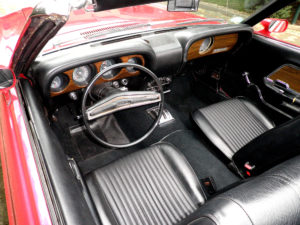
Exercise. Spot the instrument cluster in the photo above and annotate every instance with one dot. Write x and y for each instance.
(80, 76)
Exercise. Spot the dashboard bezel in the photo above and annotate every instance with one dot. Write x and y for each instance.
(123, 73)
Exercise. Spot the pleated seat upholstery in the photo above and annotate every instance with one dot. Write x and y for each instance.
(232, 124)
(152, 186)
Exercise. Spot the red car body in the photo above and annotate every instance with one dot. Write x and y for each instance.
(26, 202)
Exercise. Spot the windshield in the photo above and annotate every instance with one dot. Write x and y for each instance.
(84, 26)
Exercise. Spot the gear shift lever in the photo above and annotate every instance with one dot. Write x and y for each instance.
(246, 76)
(260, 96)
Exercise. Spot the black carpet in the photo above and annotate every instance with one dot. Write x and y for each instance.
(201, 159)
(182, 99)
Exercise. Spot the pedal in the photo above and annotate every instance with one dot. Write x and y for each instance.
(165, 117)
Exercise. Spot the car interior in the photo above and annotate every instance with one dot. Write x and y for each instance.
(170, 127)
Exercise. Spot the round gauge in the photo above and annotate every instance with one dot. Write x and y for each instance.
(206, 44)
(131, 68)
(82, 75)
(58, 83)
(105, 64)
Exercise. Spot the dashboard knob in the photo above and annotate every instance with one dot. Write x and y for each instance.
(116, 84)
(73, 96)
(124, 82)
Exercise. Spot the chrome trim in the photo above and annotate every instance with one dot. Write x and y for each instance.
(120, 101)
(165, 117)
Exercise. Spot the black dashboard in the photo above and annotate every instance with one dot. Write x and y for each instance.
(165, 53)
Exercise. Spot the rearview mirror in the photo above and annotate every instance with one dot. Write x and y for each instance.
(272, 25)
(7, 79)
(183, 5)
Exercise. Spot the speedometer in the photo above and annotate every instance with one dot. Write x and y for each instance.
(82, 75)
(131, 68)
(105, 64)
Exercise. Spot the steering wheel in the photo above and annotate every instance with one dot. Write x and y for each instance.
(121, 100)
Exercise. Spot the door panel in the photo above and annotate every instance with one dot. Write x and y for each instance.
(261, 58)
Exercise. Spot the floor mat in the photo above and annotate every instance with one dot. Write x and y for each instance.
(182, 99)
(107, 128)
(201, 159)
(137, 121)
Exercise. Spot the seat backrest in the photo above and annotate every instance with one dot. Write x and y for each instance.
(272, 198)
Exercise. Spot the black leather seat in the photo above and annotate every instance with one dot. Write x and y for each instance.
(153, 186)
(232, 124)
(247, 137)
(157, 186)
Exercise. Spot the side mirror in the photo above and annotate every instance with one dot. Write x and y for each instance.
(183, 5)
(7, 79)
(272, 25)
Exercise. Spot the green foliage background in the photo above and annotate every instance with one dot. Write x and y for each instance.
(284, 13)
(252, 5)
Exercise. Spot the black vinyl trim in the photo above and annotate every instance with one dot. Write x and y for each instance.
(277, 44)
(72, 205)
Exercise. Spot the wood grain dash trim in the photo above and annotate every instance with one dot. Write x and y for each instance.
(288, 74)
(221, 43)
(72, 86)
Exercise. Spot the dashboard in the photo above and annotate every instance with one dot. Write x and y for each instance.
(165, 53)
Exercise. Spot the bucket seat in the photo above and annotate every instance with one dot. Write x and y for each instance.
(246, 136)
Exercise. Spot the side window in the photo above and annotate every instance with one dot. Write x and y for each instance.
(284, 25)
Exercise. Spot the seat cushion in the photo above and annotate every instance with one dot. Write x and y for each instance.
(231, 124)
(152, 186)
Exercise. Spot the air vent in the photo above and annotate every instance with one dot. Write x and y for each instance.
(201, 21)
(112, 29)
(170, 30)
(121, 39)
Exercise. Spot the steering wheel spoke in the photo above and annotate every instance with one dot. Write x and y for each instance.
(120, 101)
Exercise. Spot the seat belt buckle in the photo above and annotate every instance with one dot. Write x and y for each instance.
(209, 185)
(249, 168)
